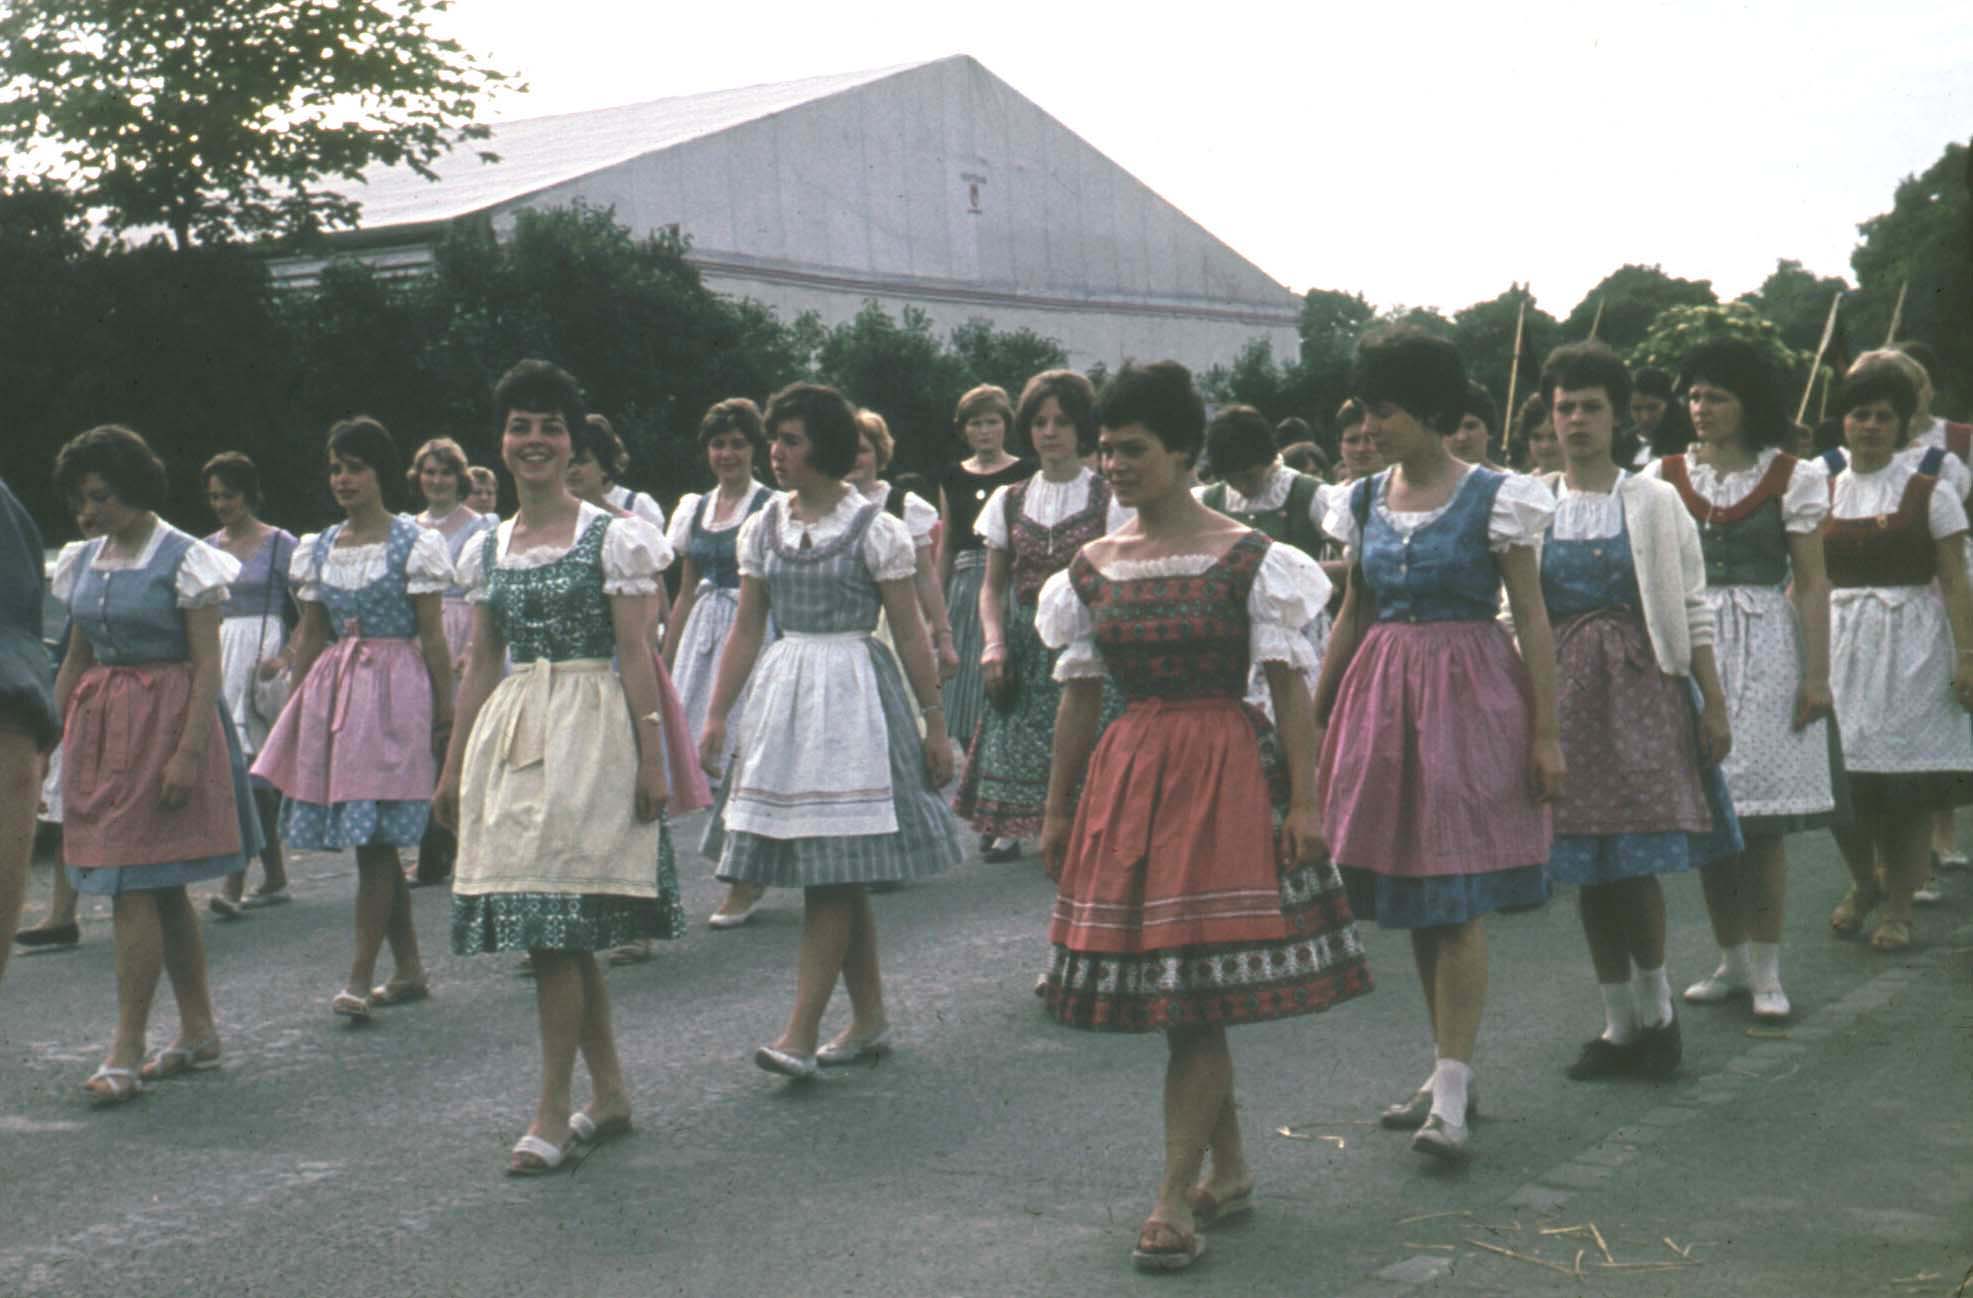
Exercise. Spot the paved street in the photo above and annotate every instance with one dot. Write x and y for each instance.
(995, 1153)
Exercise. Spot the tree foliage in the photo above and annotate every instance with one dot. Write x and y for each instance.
(1632, 297)
(1484, 333)
(1680, 329)
(1797, 300)
(1925, 241)
(218, 119)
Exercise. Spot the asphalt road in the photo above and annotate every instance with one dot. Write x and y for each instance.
(994, 1153)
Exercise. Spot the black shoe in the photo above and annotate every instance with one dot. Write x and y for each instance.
(52, 938)
(1658, 1050)
(1601, 1058)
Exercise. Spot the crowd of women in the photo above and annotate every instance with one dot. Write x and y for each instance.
(1238, 718)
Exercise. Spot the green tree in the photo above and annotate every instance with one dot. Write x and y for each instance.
(1631, 298)
(1681, 328)
(1484, 333)
(900, 370)
(1797, 300)
(1925, 241)
(1006, 358)
(218, 119)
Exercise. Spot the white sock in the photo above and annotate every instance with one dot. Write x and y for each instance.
(1449, 1082)
(1619, 1013)
(1734, 964)
(1652, 993)
(1764, 965)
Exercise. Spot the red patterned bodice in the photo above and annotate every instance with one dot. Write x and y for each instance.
(1176, 637)
(1040, 552)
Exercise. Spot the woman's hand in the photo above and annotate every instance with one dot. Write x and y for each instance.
(712, 747)
(1812, 703)
(445, 801)
(1055, 829)
(181, 770)
(272, 667)
(1302, 842)
(441, 737)
(1715, 734)
(653, 791)
(1546, 769)
(938, 758)
(948, 657)
(993, 670)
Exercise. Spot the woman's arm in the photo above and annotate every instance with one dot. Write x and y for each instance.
(308, 641)
(945, 543)
(1076, 721)
(1715, 732)
(681, 608)
(993, 619)
(631, 616)
(908, 633)
(1519, 567)
(438, 663)
(1294, 714)
(1959, 613)
(1357, 607)
(931, 602)
(81, 656)
(486, 652)
(187, 761)
(1811, 596)
(736, 663)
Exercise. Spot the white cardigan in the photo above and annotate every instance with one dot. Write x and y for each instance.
(1671, 569)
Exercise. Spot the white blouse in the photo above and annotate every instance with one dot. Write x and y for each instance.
(428, 570)
(1520, 513)
(203, 574)
(687, 509)
(638, 503)
(1290, 590)
(1867, 495)
(887, 547)
(1280, 480)
(1804, 503)
(1047, 503)
(1588, 515)
(920, 516)
(634, 553)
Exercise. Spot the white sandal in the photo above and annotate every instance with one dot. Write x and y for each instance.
(124, 1086)
(550, 1157)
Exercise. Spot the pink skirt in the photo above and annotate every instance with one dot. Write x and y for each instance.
(456, 616)
(690, 790)
(122, 727)
(358, 730)
(1425, 769)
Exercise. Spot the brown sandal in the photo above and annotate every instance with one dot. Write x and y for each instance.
(1847, 919)
(1891, 935)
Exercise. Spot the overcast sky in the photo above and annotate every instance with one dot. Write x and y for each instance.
(1421, 154)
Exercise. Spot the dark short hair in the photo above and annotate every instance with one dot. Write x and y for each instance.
(1414, 371)
(478, 475)
(1160, 396)
(827, 417)
(1652, 382)
(1744, 370)
(1530, 416)
(1588, 364)
(1878, 380)
(1305, 457)
(1239, 438)
(1480, 402)
(1348, 415)
(735, 415)
(1075, 394)
(368, 442)
(1292, 431)
(595, 438)
(120, 458)
(236, 473)
(448, 453)
(538, 386)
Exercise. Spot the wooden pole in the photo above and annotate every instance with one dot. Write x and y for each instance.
(1513, 378)
(1821, 350)
(1822, 411)
(1897, 314)
(1596, 324)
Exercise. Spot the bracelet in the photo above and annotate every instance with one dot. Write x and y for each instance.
(932, 707)
(992, 645)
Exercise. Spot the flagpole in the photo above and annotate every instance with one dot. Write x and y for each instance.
(1513, 378)
(1897, 314)
(1596, 324)
(1821, 350)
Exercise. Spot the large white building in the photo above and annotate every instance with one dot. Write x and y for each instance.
(932, 185)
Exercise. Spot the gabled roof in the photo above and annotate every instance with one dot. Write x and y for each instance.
(540, 152)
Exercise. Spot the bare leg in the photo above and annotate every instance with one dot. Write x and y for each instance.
(383, 910)
(1198, 1091)
(1726, 885)
(1945, 833)
(861, 975)
(608, 1092)
(61, 903)
(1643, 909)
(138, 933)
(1460, 982)
(826, 922)
(1607, 929)
(1425, 955)
(20, 791)
(1768, 889)
(1858, 844)
(273, 862)
(1230, 1175)
(1907, 852)
(559, 997)
(185, 965)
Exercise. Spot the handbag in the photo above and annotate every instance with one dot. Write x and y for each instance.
(269, 693)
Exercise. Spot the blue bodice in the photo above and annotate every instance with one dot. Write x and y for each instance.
(716, 555)
(261, 589)
(131, 616)
(1583, 576)
(826, 589)
(1441, 572)
(381, 610)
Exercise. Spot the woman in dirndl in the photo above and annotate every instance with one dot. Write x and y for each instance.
(556, 775)
(253, 638)
(1194, 892)
(154, 788)
(704, 529)
(830, 788)
(354, 752)
(1625, 583)
(982, 420)
(1760, 513)
(29, 725)
(1901, 646)
(1032, 529)
(1441, 752)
